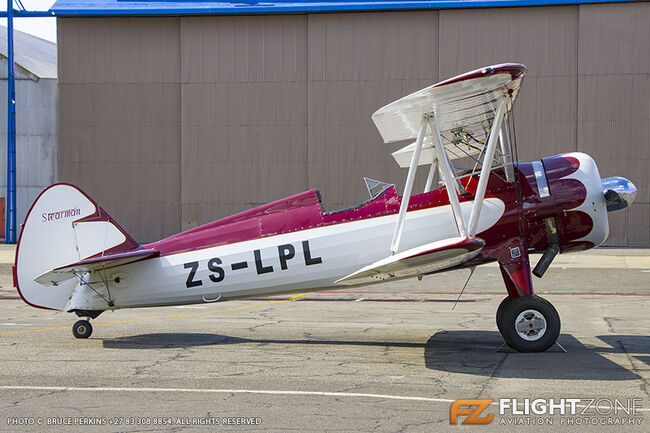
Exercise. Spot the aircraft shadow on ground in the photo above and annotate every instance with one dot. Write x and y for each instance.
(469, 352)
(172, 340)
(637, 345)
(483, 353)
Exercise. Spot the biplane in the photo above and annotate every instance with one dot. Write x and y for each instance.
(72, 256)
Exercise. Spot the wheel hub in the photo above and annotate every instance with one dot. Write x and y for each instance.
(530, 325)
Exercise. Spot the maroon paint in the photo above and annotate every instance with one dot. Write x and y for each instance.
(299, 212)
(515, 70)
(466, 244)
(559, 166)
(140, 253)
(574, 225)
(568, 194)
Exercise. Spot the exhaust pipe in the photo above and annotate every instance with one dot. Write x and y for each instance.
(546, 260)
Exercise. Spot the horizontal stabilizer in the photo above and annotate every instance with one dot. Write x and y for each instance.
(67, 272)
(417, 261)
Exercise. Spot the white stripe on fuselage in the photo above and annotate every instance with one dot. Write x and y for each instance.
(333, 252)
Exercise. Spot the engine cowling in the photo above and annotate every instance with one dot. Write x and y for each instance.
(573, 200)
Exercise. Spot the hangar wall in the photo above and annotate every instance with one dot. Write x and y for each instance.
(119, 118)
(173, 122)
(35, 138)
(36, 118)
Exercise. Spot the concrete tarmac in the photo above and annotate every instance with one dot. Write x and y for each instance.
(387, 358)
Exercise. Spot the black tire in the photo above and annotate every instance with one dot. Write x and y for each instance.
(82, 329)
(503, 303)
(535, 334)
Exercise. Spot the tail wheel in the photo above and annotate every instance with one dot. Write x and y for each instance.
(82, 329)
(503, 303)
(529, 324)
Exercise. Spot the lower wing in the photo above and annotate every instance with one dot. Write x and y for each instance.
(424, 259)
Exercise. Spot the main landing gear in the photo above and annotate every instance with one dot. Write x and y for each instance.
(528, 323)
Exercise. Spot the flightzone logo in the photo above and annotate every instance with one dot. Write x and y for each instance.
(548, 411)
(472, 409)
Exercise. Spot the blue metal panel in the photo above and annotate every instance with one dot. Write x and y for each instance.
(10, 215)
(27, 14)
(119, 7)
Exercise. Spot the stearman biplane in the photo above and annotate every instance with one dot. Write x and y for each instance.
(72, 256)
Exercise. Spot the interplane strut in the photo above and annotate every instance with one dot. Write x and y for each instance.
(429, 126)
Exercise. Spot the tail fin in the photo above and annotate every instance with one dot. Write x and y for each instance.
(63, 226)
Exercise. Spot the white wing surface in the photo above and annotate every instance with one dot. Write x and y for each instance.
(464, 107)
(432, 257)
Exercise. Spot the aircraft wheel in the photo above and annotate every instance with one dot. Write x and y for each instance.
(530, 324)
(503, 303)
(82, 329)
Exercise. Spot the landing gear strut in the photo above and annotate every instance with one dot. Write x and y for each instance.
(82, 329)
(528, 323)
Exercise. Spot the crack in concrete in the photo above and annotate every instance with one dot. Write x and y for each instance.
(32, 397)
(610, 326)
(139, 370)
(496, 370)
(416, 425)
(643, 386)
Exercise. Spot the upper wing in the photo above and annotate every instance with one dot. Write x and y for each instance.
(427, 258)
(66, 272)
(464, 107)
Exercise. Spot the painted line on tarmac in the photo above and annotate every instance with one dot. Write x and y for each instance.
(228, 391)
(177, 316)
(244, 391)
(322, 299)
(489, 293)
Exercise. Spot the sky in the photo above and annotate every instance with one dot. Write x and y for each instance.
(42, 27)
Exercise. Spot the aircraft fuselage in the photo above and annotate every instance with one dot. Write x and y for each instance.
(292, 245)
